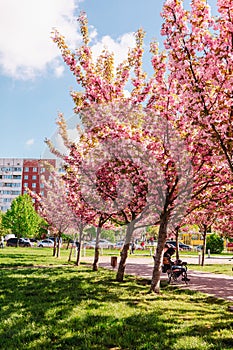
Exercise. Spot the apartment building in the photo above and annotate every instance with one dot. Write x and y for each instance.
(16, 175)
(10, 181)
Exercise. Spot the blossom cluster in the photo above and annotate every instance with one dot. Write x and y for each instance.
(190, 92)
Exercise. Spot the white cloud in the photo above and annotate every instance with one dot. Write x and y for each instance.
(30, 142)
(59, 70)
(119, 47)
(26, 47)
(92, 32)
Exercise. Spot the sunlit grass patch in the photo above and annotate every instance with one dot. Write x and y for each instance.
(68, 307)
(214, 268)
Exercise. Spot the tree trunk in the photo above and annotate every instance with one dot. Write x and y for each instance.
(96, 257)
(70, 255)
(78, 254)
(122, 263)
(68, 244)
(55, 245)
(162, 236)
(79, 244)
(204, 245)
(177, 243)
(124, 253)
(58, 244)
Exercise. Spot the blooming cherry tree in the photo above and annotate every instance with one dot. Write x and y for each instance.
(182, 124)
(200, 52)
(55, 209)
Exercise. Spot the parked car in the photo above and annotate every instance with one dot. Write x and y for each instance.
(45, 243)
(185, 246)
(118, 245)
(182, 246)
(26, 240)
(72, 243)
(75, 243)
(199, 248)
(172, 243)
(84, 244)
(21, 242)
(33, 241)
(103, 243)
(9, 235)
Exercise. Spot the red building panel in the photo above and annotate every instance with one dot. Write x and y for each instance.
(33, 172)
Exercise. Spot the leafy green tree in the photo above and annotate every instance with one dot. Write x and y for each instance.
(22, 218)
(90, 233)
(215, 243)
(111, 235)
(3, 230)
(152, 231)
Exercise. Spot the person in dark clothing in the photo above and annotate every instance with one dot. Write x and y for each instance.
(167, 261)
(133, 247)
(169, 252)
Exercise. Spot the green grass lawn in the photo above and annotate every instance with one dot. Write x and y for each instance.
(213, 268)
(47, 303)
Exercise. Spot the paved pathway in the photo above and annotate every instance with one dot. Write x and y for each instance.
(218, 285)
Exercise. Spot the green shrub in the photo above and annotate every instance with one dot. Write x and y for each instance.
(215, 243)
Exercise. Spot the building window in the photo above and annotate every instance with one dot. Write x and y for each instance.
(26, 169)
(25, 184)
(25, 177)
(34, 185)
(34, 177)
(16, 169)
(18, 177)
(34, 170)
(41, 185)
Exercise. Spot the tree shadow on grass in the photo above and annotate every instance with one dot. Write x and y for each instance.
(208, 299)
(76, 308)
(25, 257)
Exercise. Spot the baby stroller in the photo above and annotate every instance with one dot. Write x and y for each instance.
(177, 270)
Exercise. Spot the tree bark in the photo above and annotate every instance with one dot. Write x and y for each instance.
(78, 254)
(58, 244)
(177, 243)
(79, 244)
(55, 245)
(124, 253)
(204, 245)
(70, 255)
(162, 236)
(122, 263)
(96, 257)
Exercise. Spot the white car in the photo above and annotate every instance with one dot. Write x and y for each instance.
(119, 245)
(103, 243)
(45, 243)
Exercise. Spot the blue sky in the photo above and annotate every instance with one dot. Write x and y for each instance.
(34, 82)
